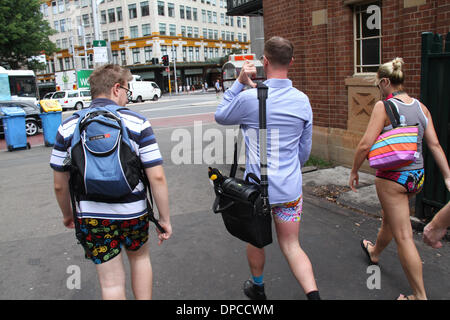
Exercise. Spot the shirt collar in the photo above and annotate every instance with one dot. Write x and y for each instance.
(101, 102)
(278, 83)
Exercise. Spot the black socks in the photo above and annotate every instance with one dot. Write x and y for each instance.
(313, 295)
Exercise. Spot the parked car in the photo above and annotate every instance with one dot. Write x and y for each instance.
(144, 90)
(73, 99)
(48, 95)
(32, 120)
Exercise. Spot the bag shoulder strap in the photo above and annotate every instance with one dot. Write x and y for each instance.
(150, 211)
(262, 97)
(235, 164)
(262, 90)
(392, 113)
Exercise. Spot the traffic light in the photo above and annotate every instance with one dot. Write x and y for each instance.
(155, 61)
(165, 60)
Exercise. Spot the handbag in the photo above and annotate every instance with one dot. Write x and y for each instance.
(243, 204)
(395, 148)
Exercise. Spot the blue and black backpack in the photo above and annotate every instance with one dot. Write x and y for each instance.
(104, 165)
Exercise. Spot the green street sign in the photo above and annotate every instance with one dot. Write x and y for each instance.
(82, 77)
(99, 43)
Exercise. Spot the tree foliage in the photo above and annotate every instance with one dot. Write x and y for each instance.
(23, 32)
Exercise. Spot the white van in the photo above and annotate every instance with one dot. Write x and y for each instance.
(143, 90)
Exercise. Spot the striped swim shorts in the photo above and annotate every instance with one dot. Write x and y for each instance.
(412, 180)
(288, 211)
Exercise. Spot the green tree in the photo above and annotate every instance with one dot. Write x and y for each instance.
(23, 32)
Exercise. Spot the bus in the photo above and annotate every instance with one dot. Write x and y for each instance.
(18, 85)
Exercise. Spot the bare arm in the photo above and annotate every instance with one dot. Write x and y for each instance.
(374, 128)
(160, 192)
(61, 186)
(437, 228)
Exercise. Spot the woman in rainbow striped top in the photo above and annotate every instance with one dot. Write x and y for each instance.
(395, 187)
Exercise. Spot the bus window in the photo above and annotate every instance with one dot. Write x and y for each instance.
(22, 86)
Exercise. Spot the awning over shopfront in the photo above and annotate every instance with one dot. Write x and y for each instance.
(244, 7)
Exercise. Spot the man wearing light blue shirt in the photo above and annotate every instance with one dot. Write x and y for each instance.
(289, 135)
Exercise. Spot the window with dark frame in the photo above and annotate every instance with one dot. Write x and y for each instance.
(136, 55)
(161, 8)
(188, 13)
(119, 13)
(145, 9)
(132, 11)
(162, 29)
(111, 15)
(146, 29)
(171, 10)
(148, 53)
(367, 33)
(181, 12)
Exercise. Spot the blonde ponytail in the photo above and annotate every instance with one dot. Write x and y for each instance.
(393, 70)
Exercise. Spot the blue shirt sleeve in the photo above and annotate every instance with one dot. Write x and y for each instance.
(305, 142)
(231, 110)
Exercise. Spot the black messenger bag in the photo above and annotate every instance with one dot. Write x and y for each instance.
(244, 205)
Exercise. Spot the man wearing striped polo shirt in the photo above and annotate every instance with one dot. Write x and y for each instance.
(109, 226)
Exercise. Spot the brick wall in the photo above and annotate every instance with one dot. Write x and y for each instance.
(324, 52)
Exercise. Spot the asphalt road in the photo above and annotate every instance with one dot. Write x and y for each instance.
(201, 261)
(175, 105)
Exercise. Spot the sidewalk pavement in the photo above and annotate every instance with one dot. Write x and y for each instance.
(332, 183)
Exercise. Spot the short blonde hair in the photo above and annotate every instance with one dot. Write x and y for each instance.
(392, 70)
(105, 77)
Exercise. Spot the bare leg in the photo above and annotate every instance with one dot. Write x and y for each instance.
(141, 272)
(394, 200)
(384, 236)
(256, 260)
(111, 275)
(287, 233)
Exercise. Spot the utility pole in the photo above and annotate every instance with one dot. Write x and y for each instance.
(174, 59)
(97, 36)
(96, 24)
(82, 33)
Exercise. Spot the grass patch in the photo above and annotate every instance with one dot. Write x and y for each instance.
(318, 162)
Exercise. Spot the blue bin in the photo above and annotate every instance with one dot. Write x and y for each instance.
(50, 124)
(14, 128)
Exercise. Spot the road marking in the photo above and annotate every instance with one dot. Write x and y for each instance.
(152, 102)
(182, 116)
(184, 106)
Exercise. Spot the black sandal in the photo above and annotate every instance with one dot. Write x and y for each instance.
(366, 250)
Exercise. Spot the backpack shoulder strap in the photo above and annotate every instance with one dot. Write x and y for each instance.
(115, 108)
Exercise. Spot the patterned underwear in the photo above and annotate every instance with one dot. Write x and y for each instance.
(104, 238)
(289, 211)
(412, 180)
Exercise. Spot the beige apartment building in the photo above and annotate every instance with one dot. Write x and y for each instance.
(194, 32)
